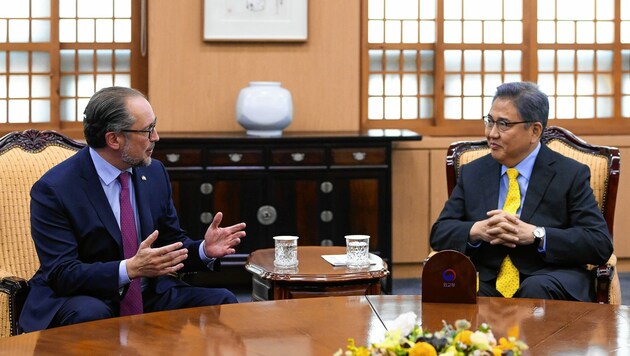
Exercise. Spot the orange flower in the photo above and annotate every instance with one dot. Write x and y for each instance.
(422, 349)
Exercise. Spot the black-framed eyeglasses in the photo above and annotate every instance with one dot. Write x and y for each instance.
(502, 125)
(149, 130)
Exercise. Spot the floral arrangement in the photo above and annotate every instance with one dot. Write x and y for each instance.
(406, 337)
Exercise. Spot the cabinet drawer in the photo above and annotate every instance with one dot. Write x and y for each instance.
(298, 157)
(178, 157)
(359, 156)
(235, 157)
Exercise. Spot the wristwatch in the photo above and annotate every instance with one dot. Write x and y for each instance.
(539, 235)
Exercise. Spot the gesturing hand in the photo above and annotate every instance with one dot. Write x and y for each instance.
(221, 241)
(153, 262)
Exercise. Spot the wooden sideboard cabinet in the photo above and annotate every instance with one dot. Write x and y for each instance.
(318, 186)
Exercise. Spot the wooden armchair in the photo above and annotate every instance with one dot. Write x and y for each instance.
(24, 157)
(604, 164)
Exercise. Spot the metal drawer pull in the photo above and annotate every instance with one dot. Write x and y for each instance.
(326, 187)
(359, 156)
(206, 188)
(266, 215)
(205, 217)
(173, 157)
(298, 157)
(235, 157)
(326, 216)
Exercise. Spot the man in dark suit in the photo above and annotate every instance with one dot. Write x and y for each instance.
(76, 213)
(556, 228)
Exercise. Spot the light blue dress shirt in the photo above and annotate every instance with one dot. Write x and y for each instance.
(108, 175)
(524, 168)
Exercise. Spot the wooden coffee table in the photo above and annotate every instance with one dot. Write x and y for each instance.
(314, 276)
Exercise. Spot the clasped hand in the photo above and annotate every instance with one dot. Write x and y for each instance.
(153, 262)
(501, 228)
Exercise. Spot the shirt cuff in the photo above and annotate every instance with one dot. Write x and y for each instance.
(543, 249)
(123, 277)
(208, 261)
(475, 244)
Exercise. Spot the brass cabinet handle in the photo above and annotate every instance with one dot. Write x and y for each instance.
(266, 215)
(359, 156)
(326, 187)
(206, 217)
(298, 156)
(235, 157)
(173, 157)
(206, 188)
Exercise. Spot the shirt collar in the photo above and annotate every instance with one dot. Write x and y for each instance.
(526, 166)
(105, 170)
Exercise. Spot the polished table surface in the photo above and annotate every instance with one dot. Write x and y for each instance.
(320, 326)
(312, 267)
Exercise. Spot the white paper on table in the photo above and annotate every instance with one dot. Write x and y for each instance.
(340, 260)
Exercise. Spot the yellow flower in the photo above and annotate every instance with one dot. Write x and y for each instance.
(464, 337)
(357, 351)
(422, 349)
(513, 332)
(461, 341)
(505, 344)
(392, 339)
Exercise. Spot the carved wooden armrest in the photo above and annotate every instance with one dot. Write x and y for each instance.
(604, 275)
(16, 289)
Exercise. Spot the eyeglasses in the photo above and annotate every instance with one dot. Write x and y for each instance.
(502, 125)
(149, 130)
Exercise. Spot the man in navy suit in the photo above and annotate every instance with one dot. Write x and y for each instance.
(75, 217)
(558, 228)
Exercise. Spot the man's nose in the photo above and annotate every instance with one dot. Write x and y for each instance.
(494, 131)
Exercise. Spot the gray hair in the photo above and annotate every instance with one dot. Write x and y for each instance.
(107, 112)
(530, 102)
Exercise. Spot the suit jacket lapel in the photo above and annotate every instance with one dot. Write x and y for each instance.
(142, 192)
(542, 174)
(94, 192)
(491, 173)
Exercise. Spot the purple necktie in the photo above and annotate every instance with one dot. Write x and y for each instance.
(132, 302)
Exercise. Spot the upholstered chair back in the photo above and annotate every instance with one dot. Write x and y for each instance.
(24, 158)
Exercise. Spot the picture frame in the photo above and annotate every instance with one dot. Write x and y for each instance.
(255, 20)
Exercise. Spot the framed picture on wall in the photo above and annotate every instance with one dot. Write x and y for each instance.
(255, 20)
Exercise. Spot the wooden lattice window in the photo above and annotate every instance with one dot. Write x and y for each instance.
(54, 54)
(433, 65)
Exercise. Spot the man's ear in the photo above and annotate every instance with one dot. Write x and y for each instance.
(112, 140)
(537, 130)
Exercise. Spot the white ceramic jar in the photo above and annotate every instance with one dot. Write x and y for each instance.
(264, 108)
